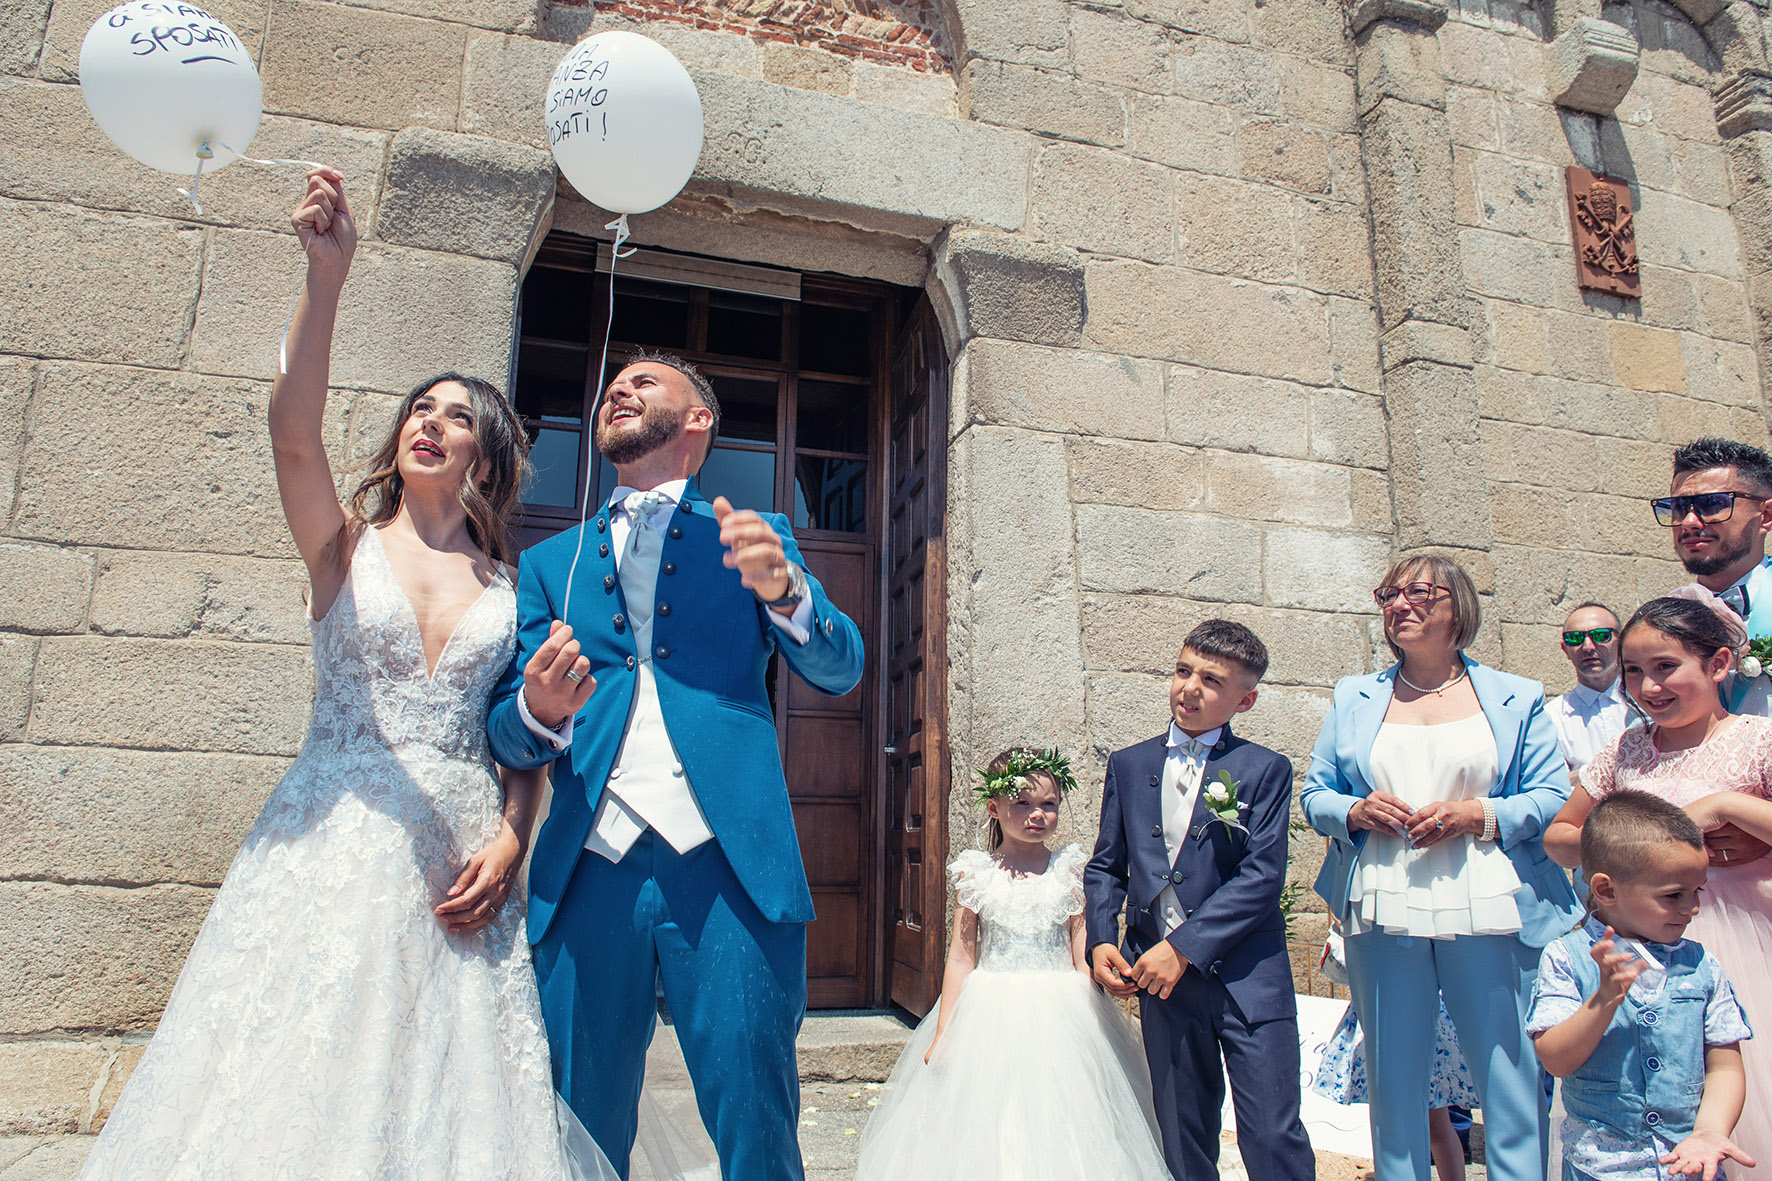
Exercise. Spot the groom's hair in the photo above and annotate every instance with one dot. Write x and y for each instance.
(1751, 464)
(703, 388)
(1625, 827)
(1220, 639)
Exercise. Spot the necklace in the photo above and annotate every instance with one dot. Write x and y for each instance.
(1439, 692)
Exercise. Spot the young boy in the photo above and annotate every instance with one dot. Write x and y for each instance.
(1193, 843)
(1638, 1022)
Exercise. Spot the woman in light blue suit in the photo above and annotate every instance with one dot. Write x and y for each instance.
(1435, 780)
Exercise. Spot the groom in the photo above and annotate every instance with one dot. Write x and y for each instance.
(669, 854)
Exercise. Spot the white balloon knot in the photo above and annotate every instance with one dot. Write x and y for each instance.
(622, 234)
(205, 152)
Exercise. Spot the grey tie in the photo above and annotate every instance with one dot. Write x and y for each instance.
(639, 567)
(1736, 597)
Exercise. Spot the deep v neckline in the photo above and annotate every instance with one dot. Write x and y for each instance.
(412, 611)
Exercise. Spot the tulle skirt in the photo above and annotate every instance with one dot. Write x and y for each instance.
(1735, 924)
(1038, 1078)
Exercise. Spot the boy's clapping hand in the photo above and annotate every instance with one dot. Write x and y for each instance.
(1618, 971)
(1703, 1153)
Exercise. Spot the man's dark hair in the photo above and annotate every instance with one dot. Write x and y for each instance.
(1627, 825)
(1221, 639)
(703, 389)
(1753, 465)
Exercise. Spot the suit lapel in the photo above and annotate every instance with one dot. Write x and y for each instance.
(1501, 709)
(1367, 719)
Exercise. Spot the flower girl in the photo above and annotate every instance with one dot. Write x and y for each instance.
(1025, 1071)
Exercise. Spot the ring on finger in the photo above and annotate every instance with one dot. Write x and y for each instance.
(575, 677)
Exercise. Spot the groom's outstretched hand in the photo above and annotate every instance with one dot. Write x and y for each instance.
(753, 549)
(557, 681)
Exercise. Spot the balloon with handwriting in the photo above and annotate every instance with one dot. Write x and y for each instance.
(170, 85)
(624, 121)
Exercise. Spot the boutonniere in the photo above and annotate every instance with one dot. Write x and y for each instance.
(1758, 658)
(1220, 796)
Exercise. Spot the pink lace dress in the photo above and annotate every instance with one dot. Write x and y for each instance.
(1734, 920)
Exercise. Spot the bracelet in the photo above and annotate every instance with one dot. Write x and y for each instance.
(1489, 826)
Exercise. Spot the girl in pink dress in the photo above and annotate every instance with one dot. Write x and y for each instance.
(1718, 767)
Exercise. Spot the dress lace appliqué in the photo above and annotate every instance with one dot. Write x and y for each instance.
(325, 1024)
(1021, 919)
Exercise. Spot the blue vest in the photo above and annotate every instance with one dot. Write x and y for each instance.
(1647, 1073)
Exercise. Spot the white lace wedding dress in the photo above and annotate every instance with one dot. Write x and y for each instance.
(1039, 1076)
(325, 1025)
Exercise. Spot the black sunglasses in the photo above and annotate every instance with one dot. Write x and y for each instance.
(1711, 507)
(1601, 635)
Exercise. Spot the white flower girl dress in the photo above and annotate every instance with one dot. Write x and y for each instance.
(1038, 1076)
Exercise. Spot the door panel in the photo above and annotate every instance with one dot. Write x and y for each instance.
(916, 645)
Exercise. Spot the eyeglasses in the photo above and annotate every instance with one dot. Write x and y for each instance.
(1416, 593)
(1600, 635)
(1711, 507)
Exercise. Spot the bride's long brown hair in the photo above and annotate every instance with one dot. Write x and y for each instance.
(502, 443)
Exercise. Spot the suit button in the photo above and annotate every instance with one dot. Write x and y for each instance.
(676, 532)
(602, 524)
(669, 567)
(1155, 780)
(1650, 1017)
(1178, 877)
(631, 662)
(620, 621)
(603, 550)
(1156, 830)
(663, 608)
(686, 509)
(661, 652)
(1653, 1063)
(609, 582)
(829, 627)
(1652, 1118)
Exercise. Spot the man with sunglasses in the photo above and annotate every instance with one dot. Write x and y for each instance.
(1592, 715)
(1720, 511)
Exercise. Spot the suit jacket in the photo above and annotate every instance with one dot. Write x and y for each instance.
(1741, 695)
(1532, 786)
(1227, 881)
(711, 644)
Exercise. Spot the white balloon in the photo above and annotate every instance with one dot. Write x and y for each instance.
(163, 80)
(624, 120)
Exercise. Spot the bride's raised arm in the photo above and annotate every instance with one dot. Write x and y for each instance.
(328, 235)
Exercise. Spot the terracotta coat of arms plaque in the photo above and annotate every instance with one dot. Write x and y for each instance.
(1605, 234)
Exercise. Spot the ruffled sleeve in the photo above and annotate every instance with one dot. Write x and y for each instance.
(971, 872)
(1067, 867)
(1600, 776)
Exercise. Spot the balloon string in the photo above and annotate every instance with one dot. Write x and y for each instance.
(620, 226)
(204, 153)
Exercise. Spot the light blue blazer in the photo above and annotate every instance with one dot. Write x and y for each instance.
(1533, 784)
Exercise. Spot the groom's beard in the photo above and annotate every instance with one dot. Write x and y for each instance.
(1718, 560)
(658, 427)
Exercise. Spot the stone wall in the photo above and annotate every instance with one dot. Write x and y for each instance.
(1244, 298)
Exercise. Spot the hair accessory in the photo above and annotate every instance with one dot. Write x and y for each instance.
(1724, 612)
(1023, 763)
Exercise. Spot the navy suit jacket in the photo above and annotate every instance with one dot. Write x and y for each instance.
(1228, 881)
(711, 646)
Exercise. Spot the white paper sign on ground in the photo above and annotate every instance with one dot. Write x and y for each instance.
(1332, 1126)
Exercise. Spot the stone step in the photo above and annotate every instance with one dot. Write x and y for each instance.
(851, 1045)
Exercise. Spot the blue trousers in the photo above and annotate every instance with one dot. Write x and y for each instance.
(1183, 1039)
(1486, 980)
(735, 984)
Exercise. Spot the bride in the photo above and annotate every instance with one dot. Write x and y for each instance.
(360, 1002)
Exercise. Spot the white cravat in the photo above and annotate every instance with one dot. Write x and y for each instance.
(1184, 766)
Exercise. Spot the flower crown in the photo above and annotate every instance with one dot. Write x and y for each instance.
(1022, 763)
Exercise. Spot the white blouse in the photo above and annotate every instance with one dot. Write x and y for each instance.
(1457, 886)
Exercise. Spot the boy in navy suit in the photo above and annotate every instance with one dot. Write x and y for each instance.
(1193, 844)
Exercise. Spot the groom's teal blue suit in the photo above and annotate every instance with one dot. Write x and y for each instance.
(721, 925)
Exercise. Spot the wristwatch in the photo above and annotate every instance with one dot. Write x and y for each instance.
(797, 590)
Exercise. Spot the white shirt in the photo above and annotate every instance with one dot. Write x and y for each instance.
(798, 626)
(1589, 720)
(1183, 768)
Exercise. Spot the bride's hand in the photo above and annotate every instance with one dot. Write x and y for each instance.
(484, 884)
(326, 228)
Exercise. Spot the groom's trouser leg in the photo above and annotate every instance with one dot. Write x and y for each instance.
(597, 971)
(736, 987)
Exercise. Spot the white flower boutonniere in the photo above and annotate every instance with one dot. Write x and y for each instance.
(1221, 800)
